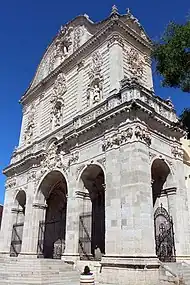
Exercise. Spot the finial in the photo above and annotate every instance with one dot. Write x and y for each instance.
(128, 11)
(114, 10)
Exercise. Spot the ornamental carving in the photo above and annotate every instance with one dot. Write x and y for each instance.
(74, 158)
(52, 159)
(29, 131)
(177, 152)
(115, 39)
(10, 183)
(78, 33)
(59, 88)
(123, 136)
(31, 176)
(95, 87)
(135, 63)
(63, 42)
(143, 134)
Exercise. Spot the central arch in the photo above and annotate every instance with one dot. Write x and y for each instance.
(92, 216)
(53, 191)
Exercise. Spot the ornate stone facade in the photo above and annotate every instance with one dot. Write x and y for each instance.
(99, 158)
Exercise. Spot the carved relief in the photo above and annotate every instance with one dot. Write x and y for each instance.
(60, 87)
(95, 87)
(143, 134)
(30, 125)
(10, 183)
(130, 133)
(177, 152)
(78, 33)
(135, 63)
(52, 159)
(31, 176)
(115, 39)
(74, 157)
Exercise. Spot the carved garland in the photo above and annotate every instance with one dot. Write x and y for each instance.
(59, 88)
(29, 131)
(119, 137)
(95, 87)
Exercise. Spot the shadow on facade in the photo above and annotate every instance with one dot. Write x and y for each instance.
(18, 224)
(92, 217)
(162, 182)
(51, 240)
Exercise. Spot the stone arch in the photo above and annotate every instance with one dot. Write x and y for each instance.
(18, 222)
(162, 177)
(92, 214)
(52, 192)
(51, 141)
(83, 167)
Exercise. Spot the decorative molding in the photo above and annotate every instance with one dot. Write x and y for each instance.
(78, 33)
(132, 133)
(31, 176)
(135, 63)
(80, 65)
(59, 88)
(177, 152)
(115, 39)
(29, 131)
(73, 158)
(79, 169)
(52, 160)
(10, 183)
(39, 206)
(143, 134)
(102, 161)
(95, 87)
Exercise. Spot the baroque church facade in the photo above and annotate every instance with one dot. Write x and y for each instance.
(98, 176)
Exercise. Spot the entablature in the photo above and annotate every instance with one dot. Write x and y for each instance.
(132, 102)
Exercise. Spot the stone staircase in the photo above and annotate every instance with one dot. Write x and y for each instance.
(25, 271)
(175, 273)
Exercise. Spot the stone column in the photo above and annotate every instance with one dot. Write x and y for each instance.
(182, 226)
(112, 203)
(74, 204)
(136, 201)
(115, 44)
(8, 219)
(34, 213)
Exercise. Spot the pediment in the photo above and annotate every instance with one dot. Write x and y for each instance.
(69, 38)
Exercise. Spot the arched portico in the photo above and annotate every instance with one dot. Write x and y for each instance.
(92, 214)
(53, 193)
(18, 223)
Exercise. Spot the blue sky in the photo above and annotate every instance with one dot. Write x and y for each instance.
(27, 27)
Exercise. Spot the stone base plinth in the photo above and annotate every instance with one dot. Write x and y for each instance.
(129, 271)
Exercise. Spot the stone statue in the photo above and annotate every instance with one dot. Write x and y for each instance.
(96, 92)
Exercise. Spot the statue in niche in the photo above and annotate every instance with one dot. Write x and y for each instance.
(59, 87)
(57, 113)
(94, 93)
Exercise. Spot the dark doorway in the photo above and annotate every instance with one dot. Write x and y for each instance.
(51, 239)
(92, 219)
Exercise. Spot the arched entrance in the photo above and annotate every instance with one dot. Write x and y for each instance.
(92, 216)
(163, 222)
(51, 241)
(18, 223)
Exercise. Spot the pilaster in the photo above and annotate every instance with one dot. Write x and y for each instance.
(115, 44)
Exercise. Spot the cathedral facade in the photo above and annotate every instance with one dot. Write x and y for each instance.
(98, 176)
